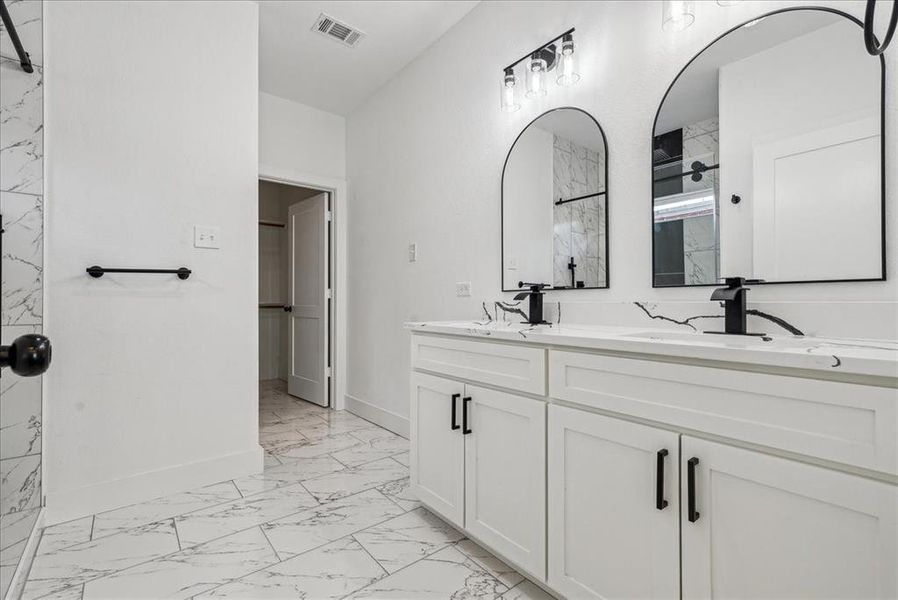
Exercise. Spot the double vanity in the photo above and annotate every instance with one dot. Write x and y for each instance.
(609, 462)
(616, 462)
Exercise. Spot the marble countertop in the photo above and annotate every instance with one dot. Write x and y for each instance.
(846, 357)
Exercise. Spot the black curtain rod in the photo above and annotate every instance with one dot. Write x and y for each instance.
(24, 59)
(97, 271)
(562, 201)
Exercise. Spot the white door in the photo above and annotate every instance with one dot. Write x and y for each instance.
(307, 341)
(768, 527)
(614, 513)
(505, 475)
(437, 457)
(817, 204)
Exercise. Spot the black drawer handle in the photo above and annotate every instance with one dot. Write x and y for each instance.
(690, 489)
(660, 502)
(464, 415)
(455, 398)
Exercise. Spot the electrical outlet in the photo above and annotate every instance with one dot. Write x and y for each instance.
(205, 236)
(463, 289)
(412, 253)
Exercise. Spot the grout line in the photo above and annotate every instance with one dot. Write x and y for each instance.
(174, 524)
(362, 546)
(273, 549)
(239, 491)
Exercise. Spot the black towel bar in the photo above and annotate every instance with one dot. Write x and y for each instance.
(96, 271)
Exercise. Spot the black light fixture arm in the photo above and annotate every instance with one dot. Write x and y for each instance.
(24, 59)
(869, 37)
(538, 50)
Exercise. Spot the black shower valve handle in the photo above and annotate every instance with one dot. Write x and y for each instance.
(28, 356)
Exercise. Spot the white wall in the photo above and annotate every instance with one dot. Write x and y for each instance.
(528, 209)
(425, 157)
(814, 82)
(151, 118)
(293, 136)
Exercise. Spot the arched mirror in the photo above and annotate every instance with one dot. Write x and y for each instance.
(555, 203)
(768, 154)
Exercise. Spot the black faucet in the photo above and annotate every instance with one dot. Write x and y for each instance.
(535, 315)
(733, 297)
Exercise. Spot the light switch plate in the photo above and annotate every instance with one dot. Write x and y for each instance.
(412, 253)
(205, 236)
(463, 289)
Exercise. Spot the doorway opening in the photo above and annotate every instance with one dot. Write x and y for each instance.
(296, 291)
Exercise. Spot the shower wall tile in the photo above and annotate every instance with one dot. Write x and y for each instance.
(27, 17)
(577, 171)
(20, 483)
(21, 129)
(21, 301)
(21, 290)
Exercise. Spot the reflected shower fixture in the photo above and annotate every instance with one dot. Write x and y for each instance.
(677, 15)
(538, 64)
(568, 70)
(507, 94)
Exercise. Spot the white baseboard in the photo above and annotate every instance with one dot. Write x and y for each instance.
(17, 583)
(377, 415)
(66, 505)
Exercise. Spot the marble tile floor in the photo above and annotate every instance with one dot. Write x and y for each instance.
(331, 516)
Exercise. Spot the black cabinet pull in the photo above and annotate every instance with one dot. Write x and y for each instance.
(660, 502)
(690, 489)
(464, 415)
(455, 398)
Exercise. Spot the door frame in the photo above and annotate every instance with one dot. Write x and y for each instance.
(337, 323)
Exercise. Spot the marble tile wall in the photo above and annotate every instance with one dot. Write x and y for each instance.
(700, 248)
(21, 299)
(579, 227)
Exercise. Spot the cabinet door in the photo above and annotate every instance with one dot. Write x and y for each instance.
(611, 534)
(437, 450)
(768, 527)
(505, 476)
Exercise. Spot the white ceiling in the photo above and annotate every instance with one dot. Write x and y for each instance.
(302, 65)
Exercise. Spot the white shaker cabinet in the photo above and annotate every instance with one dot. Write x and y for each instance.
(478, 459)
(613, 507)
(505, 475)
(437, 456)
(767, 527)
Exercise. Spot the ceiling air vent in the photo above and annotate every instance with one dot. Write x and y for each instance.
(334, 29)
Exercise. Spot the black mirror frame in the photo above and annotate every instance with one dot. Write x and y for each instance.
(882, 139)
(502, 205)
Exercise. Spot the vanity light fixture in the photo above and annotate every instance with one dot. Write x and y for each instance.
(538, 64)
(536, 76)
(568, 70)
(507, 97)
(677, 15)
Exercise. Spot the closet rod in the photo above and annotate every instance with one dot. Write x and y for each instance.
(271, 305)
(272, 224)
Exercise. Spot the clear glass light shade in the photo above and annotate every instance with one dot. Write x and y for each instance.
(507, 97)
(677, 15)
(536, 78)
(567, 65)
